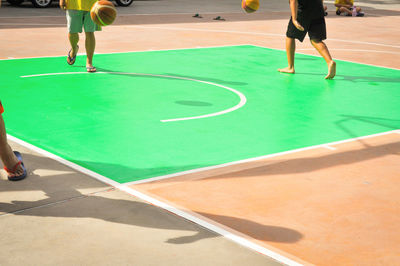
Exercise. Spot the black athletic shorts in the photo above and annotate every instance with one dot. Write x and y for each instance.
(316, 29)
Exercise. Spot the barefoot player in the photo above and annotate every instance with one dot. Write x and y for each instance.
(307, 16)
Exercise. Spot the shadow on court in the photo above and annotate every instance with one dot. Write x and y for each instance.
(315, 163)
(193, 103)
(206, 79)
(369, 79)
(348, 120)
(63, 199)
(350, 78)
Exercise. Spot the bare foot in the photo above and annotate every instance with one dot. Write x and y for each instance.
(286, 70)
(331, 70)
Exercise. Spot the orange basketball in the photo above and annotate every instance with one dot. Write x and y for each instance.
(250, 6)
(103, 13)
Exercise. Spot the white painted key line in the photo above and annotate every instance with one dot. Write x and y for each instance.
(241, 96)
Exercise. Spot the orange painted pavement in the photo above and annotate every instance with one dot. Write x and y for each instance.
(327, 207)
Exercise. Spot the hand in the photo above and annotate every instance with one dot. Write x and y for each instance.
(63, 5)
(297, 25)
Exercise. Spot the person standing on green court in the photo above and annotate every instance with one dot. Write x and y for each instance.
(307, 16)
(78, 17)
(12, 160)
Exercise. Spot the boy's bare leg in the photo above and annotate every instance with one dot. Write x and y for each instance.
(73, 40)
(90, 44)
(345, 10)
(6, 153)
(324, 52)
(290, 50)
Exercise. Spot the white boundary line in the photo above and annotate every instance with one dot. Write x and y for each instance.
(147, 14)
(22, 17)
(233, 237)
(329, 147)
(209, 30)
(198, 47)
(325, 145)
(335, 59)
(144, 51)
(32, 24)
(352, 50)
(241, 103)
(250, 33)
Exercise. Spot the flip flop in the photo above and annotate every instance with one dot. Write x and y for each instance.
(70, 59)
(219, 18)
(91, 69)
(12, 171)
(197, 16)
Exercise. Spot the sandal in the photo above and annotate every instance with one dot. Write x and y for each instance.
(91, 69)
(12, 171)
(219, 18)
(70, 59)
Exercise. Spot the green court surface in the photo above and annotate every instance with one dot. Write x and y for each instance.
(111, 123)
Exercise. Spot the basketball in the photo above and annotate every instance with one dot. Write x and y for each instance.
(103, 13)
(250, 6)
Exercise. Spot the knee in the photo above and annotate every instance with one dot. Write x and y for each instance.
(89, 34)
(74, 35)
(315, 41)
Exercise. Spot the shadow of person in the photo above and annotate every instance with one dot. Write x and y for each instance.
(369, 78)
(109, 204)
(104, 206)
(169, 76)
(256, 230)
(315, 163)
(358, 79)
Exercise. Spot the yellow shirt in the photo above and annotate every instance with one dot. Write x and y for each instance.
(344, 2)
(84, 5)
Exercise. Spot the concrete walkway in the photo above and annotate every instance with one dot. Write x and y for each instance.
(58, 216)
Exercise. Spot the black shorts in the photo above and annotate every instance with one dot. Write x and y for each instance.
(316, 29)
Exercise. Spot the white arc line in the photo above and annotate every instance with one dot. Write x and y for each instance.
(241, 103)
